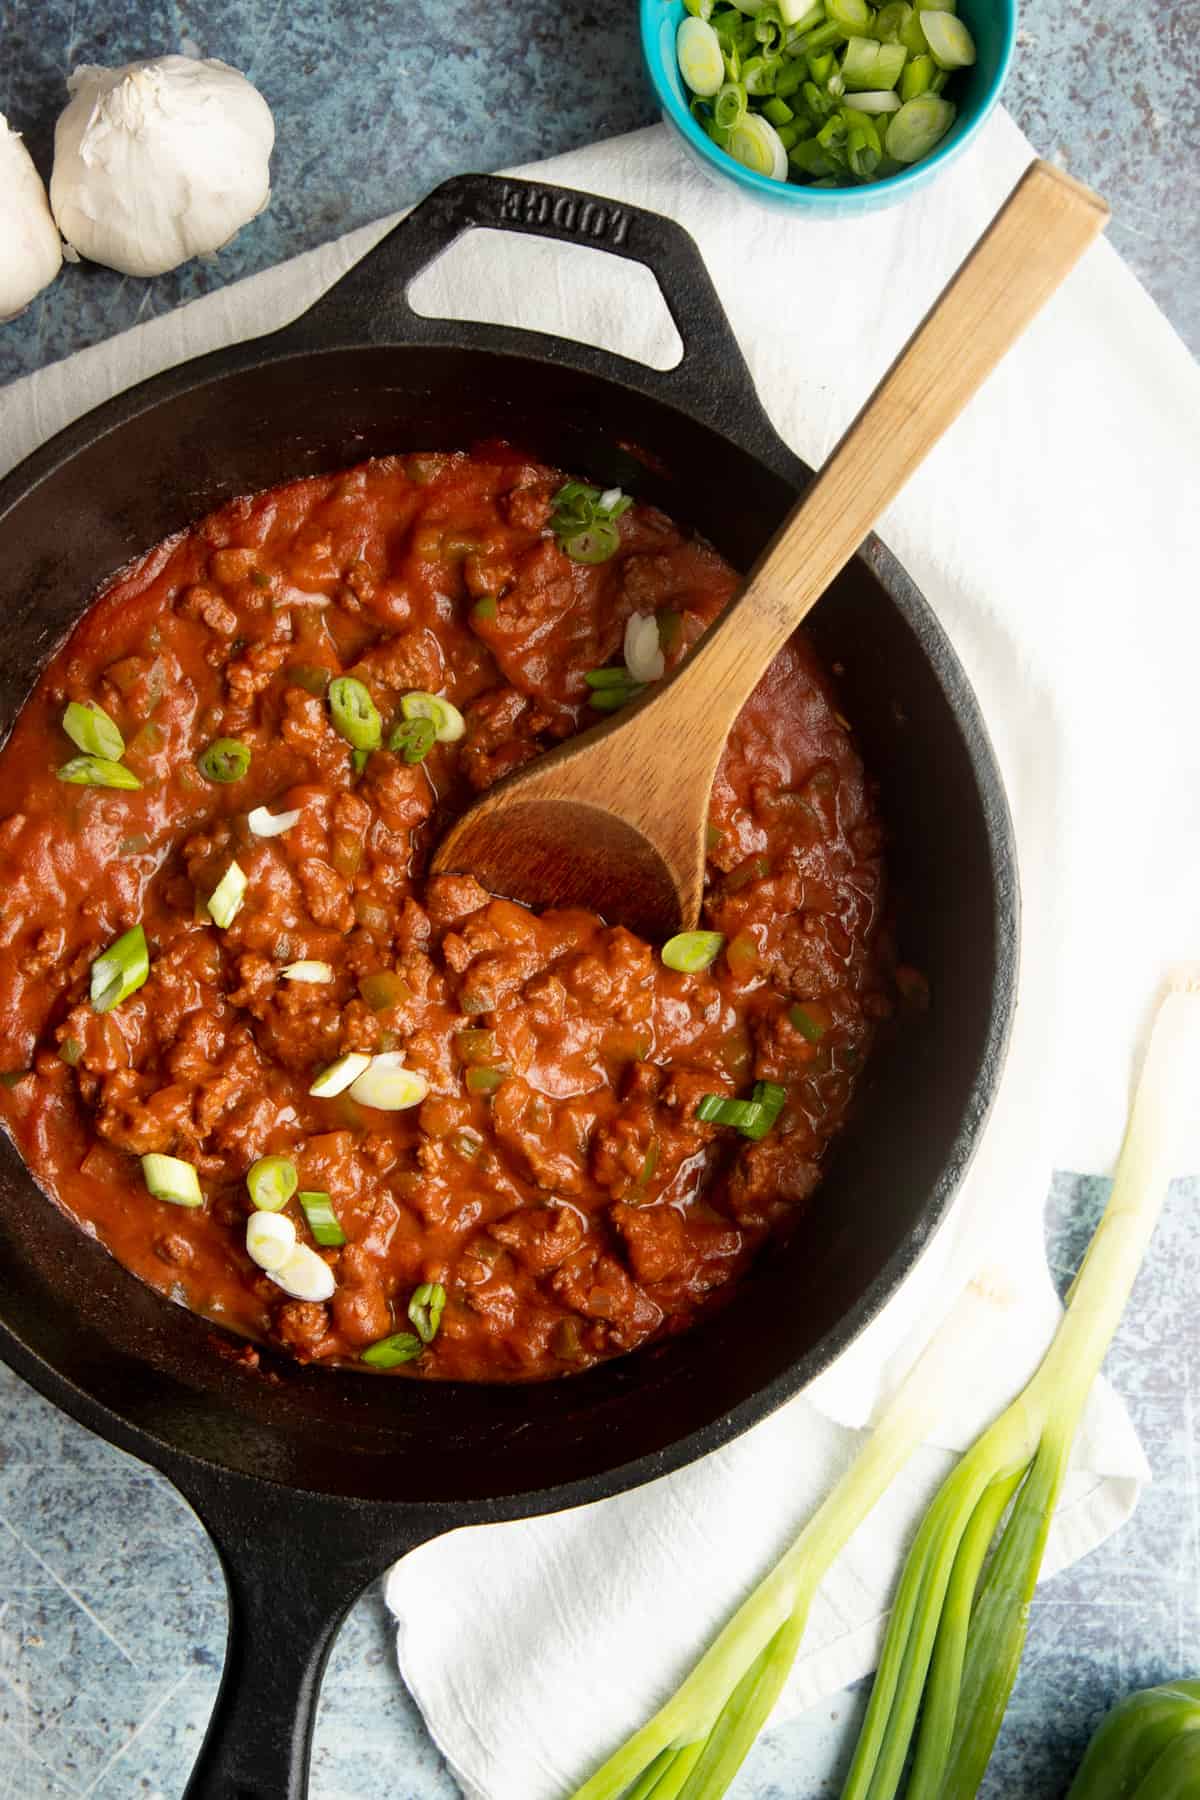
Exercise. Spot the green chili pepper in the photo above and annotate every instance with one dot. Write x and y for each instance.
(1148, 1748)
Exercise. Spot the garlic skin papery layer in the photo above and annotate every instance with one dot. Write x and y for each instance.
(159, 161)
(30, 250)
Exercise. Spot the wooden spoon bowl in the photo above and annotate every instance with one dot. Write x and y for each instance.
(616, 819)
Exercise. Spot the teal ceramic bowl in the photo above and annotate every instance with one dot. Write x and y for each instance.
(993, 25)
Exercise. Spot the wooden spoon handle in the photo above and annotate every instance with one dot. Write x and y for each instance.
(1043, 229)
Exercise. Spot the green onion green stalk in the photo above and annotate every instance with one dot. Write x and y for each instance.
(959, 1616)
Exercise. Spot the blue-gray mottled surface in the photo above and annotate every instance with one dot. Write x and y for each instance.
(111, 1606)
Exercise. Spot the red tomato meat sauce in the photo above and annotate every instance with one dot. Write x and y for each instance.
(557, 1195)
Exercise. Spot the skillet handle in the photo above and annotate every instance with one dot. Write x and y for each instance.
(370, 304)
(294, 1565)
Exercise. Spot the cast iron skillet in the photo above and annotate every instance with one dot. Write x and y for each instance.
(311, 1482)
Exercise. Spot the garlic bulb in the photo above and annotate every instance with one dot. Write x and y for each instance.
(159, 161)
(30, 251)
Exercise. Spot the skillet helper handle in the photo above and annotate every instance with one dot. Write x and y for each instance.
(711, 381)
(294, 1565)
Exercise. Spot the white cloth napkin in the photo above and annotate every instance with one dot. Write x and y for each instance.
(1053, 531)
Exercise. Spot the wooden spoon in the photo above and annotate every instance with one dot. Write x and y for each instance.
(615, 819)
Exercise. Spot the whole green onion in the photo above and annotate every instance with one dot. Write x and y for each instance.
(226, 759)
(959, 1617)
(272, 1181)
(97, 771)
(425, 1310)
(354, 713)
(323, 1222)
(120, 970)
(390, 1352)
(91, 730)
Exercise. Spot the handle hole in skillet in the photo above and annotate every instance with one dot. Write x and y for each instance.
(566, 290)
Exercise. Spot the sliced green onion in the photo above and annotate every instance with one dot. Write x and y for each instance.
(854, 16)
(886, 101)
(729, 109)
(869, 65)
(168, 1178)
(585, 521)
(918, 126)
(864, 151)
(425, 1310)
(268, 825)
(755, 144)
(700, 60)
(226, 759)
(715, 1109)
(772, 1099)
(339, 1075)
(597, 544)
(759, 74)
(305, 1275)
(643, 653)
(354, 713)
(271, 1182)
(801, 15)
(225, 901)
(414, 739)
(608, 678)
(912, 35)
(890, 21)
(692, 951)
(805, 1024)
(485, 1081)
(950, 42)
(486, 609)
(97, 771)
(322, 1220)
(316, 974)
(90, 729)
(390, 1352)
(270, 1240)
(612, 699)
(448, 723)
(918, 76)
(120, 970)
(387, 1085)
